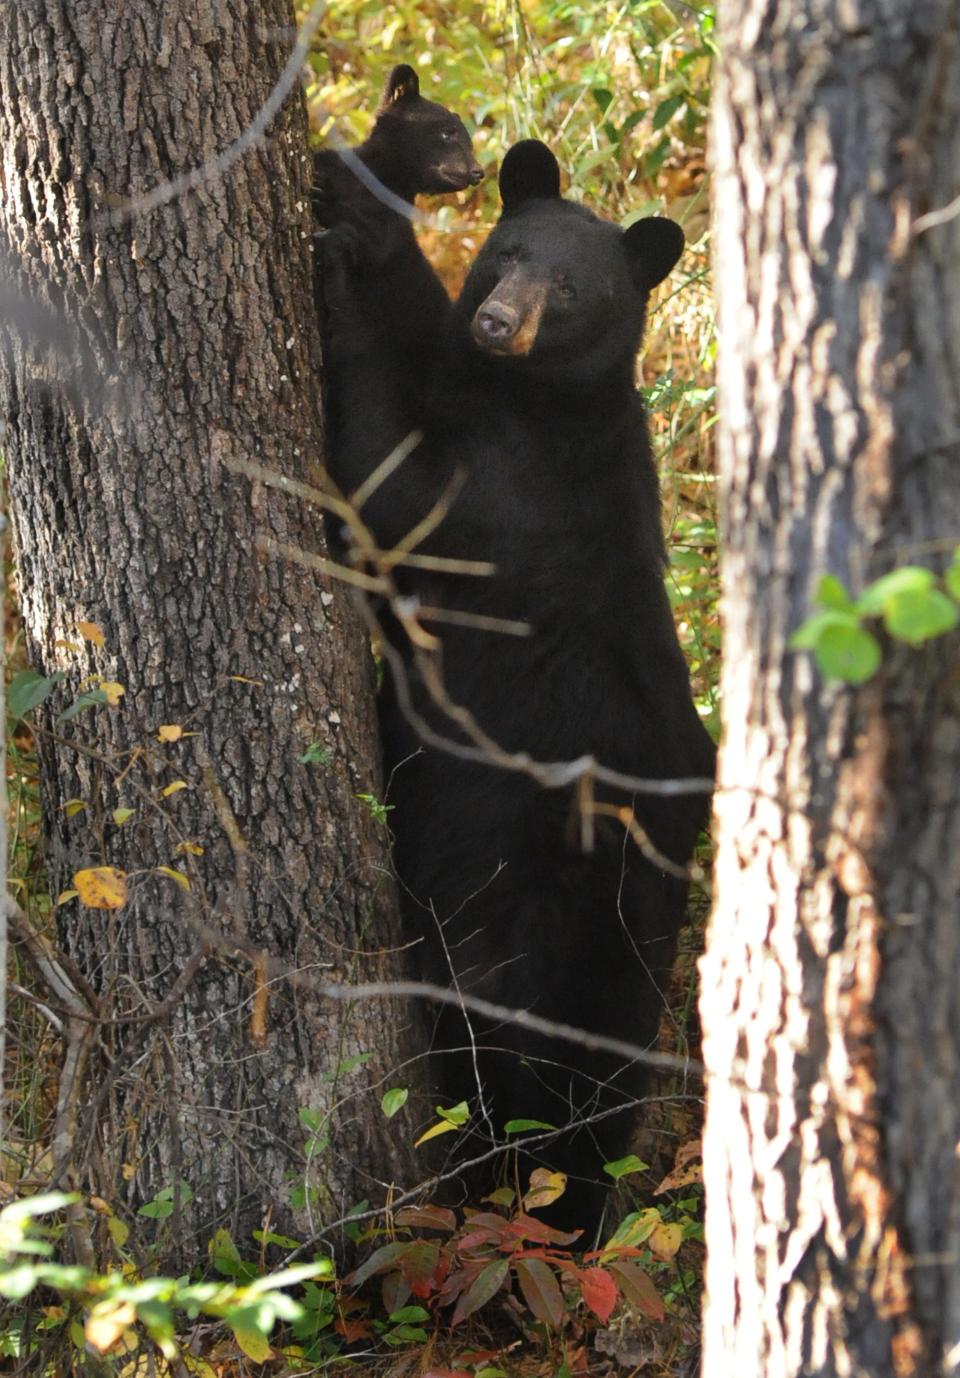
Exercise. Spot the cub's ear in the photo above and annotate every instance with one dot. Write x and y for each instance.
(402, 84)
(653, 246)
(528, 170)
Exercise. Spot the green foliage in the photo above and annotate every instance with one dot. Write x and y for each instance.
(393, 1100)
(316, 755)
(117, 1303)
(378, 811)
(912, 604)
(165, 1202)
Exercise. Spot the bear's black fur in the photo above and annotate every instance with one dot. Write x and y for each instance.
(372, 274)
(536, 416)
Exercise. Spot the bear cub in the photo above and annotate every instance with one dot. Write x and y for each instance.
(528, 889)
(372, 273)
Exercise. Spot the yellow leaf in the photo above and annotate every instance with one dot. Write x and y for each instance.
(65, 895)
(113, 691)
(545, 1188)
(100, 1206)
(73, 806)
(192, 847)
(253, 1344)
(107, 1322)
(169, 732)
(666, 1240)
(120, 816)
(178, 876)
(172, 789)
(63, 645)
(119, 1231)
(102, 887)
(91, 632)
(435, 1130)
(127, 1172)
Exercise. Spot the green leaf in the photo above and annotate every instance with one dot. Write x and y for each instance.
(666, 110)
(281, 1240)
(457, 1114)
(27, 690)
(91, 699)
(17, 1282)
(348, 1065)
(808, 634)
(519, 1126)
(594, 160)
(832, 594)
(288, 1276)
(909, 579)
(952, 578)
(603, 97)
(224, 1254)
(917, 615)
(316, 755)
(408, 1314)
(847, 653)
(621, 1167)
(156, 1210)
(393, 1100)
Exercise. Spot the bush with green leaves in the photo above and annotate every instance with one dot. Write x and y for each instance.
(912, 604)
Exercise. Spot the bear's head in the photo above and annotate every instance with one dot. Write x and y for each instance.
(555, 286)
(422, 146)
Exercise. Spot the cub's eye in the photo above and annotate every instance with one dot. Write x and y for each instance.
(506, 256)
(565, 289)
(448, 135)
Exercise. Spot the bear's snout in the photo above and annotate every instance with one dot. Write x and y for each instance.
(495, 325)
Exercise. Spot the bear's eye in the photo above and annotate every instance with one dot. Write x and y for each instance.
(506, 256)
(565, 289)
(448, 135)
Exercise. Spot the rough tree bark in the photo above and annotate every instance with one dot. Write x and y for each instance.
(831, 985)
(195, 346)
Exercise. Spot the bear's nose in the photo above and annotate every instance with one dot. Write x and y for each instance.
(476, 174)
(496, 322)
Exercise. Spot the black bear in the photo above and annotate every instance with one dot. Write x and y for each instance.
(536, 448)
(372, 273)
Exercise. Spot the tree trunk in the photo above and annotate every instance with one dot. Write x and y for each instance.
(832, 977)
(194, 347)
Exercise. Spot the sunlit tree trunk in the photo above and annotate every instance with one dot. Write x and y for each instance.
(831, 985)
(188, 344)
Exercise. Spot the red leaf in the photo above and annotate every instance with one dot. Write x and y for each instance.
(427, 1217)
(599, 1291)
(541, 1290)
(486, 1285)
(638, 1289)
(526, 1227)
(352, 1330)
(418, 1264)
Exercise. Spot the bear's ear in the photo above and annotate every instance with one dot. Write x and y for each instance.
(528, 170)
(653, 246)
(402, 84)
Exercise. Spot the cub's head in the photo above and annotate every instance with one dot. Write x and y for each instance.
(419, 145)
(554, 284)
